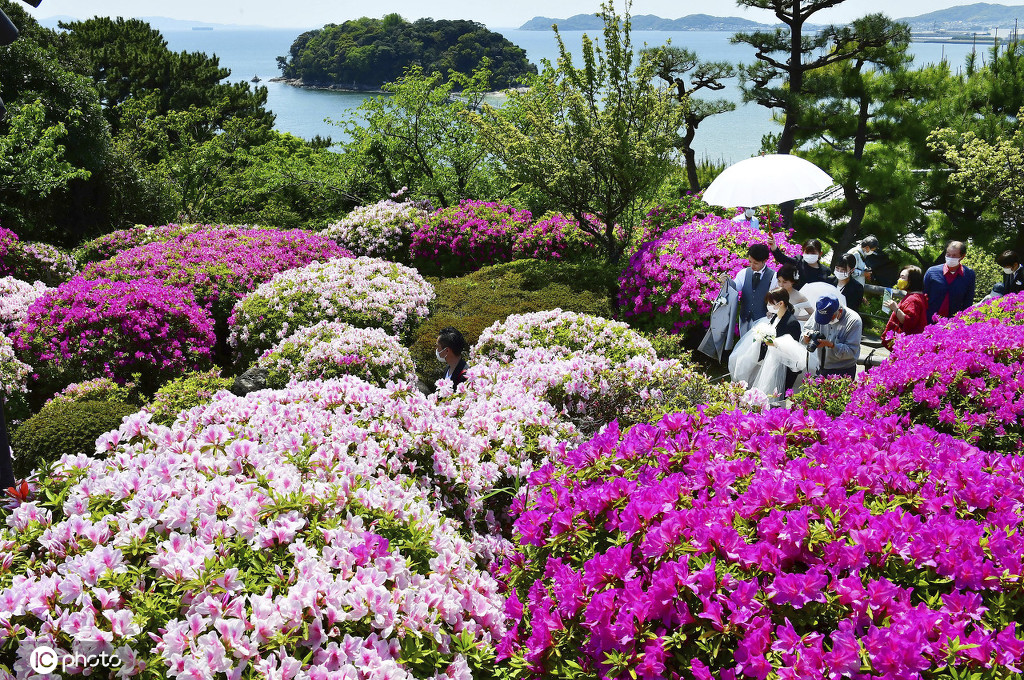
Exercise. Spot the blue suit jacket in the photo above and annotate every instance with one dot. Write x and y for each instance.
(961, 291)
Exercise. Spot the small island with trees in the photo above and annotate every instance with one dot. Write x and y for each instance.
(365, 53)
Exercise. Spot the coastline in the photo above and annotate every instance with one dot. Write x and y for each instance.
(298, 82)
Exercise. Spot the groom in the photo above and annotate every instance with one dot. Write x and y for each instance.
(753, 283)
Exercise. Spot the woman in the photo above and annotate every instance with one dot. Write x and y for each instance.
(909, 315)
(788, 278)
(809, 265)
(847, 283)
(770, 356)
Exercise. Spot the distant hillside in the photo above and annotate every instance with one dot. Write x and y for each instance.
(647, 22)
(981, 16)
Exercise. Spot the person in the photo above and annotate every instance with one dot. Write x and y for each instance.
(909, 315)
(949, 286)
(748, 216)
(809, 264)
(782, 316)
(861, 252)
(788, 277)
(769, 357)
(844, 280)
(834, 332)
(449, 350)
(753, 283)
(1013, 276)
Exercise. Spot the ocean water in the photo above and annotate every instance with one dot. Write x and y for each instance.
(728, 137)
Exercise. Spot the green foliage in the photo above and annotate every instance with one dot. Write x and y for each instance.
(594, 140)
(98, 389)
(474, 302)
(986, 272)
(181, 394)
(365, 53)
(830, 394)
(64, 427)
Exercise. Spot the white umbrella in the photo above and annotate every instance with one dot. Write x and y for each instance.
(765, 180)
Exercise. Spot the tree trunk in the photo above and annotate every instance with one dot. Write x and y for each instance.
(691, 157)
(857, 205)
(796, 82)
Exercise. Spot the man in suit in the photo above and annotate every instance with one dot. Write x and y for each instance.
(449, 350)
(753, 283)
(949, 286)
(1013, 276)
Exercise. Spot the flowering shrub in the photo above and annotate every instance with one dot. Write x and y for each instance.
(15, 298)
(554, 237)
(830, 394)
(566, 333)
(784, 544)
(13, 373)
(190, 390)
(670, 282)
(97, 389)
(114, 329)
(34, 261)
(267, 536)
(1008, 309)
(382, 230)
(468, 236)
(111, 244)
(331, 348)
(691, 207)
(364, 292)
(218, 264)
(966, 379)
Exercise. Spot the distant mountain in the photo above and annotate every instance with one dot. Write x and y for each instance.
(166, 24)
(647, 22)
(981, 16)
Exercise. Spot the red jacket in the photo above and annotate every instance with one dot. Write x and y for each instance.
(915, 309)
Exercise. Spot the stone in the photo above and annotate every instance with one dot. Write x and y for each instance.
(251, 381)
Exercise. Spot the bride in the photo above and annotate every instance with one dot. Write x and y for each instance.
(769, 357)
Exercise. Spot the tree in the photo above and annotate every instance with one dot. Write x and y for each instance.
(674, 64)
(594, 140)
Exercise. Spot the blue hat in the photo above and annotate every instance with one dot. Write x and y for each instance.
(826, 309)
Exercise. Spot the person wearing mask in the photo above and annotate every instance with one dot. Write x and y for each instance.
(949, 286)
(781, 315)
(788, 277)
(909, 315)
(861, 252)
(1013, 276)
(844, 280)
(834, 332)
(770, 357)
(748, 216)
(449, 350)
(753, 283)
(808, 265)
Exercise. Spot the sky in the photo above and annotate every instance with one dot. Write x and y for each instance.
(316, 13)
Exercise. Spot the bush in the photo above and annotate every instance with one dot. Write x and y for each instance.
(672, 281)
(381, 230)
(830, 394)
(64, 427)
(691, 207)
(15, 298)
(181, 394)
(473, 303)
(966, 379)
(364, 292)
(109, 245)
(986, 272)
(330, 349)
(99, 328)
(555, 237)
(98, 389)
(1007, 310)
(34, 261)
(13, 373)
(783, 544)
(461, 239)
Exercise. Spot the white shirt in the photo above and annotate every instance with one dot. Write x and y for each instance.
(754, 222)
(741, 278)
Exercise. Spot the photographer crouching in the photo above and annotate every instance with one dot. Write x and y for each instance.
(834, 332)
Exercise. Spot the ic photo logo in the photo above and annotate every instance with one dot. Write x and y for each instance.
(45, 659)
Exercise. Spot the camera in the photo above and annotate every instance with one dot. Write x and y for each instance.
(814, 338)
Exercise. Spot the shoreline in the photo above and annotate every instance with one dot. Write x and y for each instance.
(298, 82)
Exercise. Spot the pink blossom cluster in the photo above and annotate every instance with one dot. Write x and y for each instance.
(776, 545)
(298, 546)
(102, 328)
(16, 297)
(29, 261)
(468, 236)
(332, 348)
(691, 206)
(14, 374)
(219, 265)
(109, 245)
(364, 292)
(1008, 309)
(555, 237)
(383, 229)
(965, 378)
(672, 281)
(568, 333)
(97, 389)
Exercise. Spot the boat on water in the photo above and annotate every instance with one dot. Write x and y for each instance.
(255, 79)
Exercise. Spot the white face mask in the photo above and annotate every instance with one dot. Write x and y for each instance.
(952, 262)
(775, 309)
(840, 274)
(810, 259)
(440, 358)
(1007, 270)
(834, 321)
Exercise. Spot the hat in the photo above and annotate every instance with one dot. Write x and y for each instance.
(826, 309)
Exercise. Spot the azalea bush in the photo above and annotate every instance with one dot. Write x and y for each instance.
(97, 389)
(463, 238)
(964, 378)
(192, 389)
(1008, 309)
(16, 297)
(364, 292)
(567, 332)
(830, 394)
(784, 544)
(672, 281)
(556, 237)
(691, 207)
(33, 262)
(271, 536)
(115, 329)
(14, 374)
(331, 348)
(109, 245)
(383, 229)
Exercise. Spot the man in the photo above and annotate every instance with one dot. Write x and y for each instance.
(449, 350)
(949, 286)
(748, 216)
(1013, 276)
(753, 283)
(861, 253)
(836, 333)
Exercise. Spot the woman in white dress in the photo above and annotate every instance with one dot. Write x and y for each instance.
(788, 276)
(769, 357)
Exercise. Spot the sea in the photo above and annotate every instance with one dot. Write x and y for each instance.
(726, 138)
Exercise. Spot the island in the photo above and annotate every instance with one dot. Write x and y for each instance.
(363, 54)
